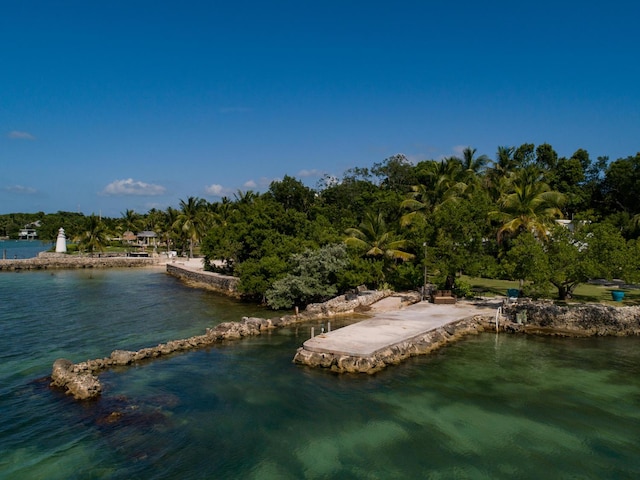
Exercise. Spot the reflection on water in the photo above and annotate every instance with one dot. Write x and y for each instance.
(487, 407)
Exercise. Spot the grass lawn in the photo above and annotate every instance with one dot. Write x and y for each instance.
(584, 293)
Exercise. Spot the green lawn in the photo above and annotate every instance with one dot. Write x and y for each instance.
(586, 293)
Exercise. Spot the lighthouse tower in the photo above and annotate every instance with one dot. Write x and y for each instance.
(61, 242)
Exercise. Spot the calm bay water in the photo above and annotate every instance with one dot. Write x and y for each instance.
(487, 407)
(19, 249)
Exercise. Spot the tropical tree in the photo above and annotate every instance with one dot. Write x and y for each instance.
(373, 238)
(192, 220)
(131, 221)
(442, 182)
(529, 205)
(471, 163)
(312, 279)
(94, 237)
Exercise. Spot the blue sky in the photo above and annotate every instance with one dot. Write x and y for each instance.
(108, 106)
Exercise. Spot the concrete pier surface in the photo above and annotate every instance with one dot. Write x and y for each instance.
(390, 327)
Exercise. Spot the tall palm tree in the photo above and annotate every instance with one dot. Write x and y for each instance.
(95, 237)
(375, 239)
(471, 163)
(529, 204)
(131, 220)
(192, 220)
(170, 231)
(444, 183)
(221, 212)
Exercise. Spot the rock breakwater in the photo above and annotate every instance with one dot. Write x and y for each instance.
(81, 379)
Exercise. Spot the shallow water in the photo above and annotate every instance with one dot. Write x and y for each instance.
(487, 407)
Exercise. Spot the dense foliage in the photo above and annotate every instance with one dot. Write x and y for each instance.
(395, 222)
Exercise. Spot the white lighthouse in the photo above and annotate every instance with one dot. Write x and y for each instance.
(61, 242)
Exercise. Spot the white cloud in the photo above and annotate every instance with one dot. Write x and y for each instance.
(310, 173)
(20, 189)
(217, 190)
(17, 135)
(133, 187)
(250, 184)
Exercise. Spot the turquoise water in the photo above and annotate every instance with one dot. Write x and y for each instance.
(487, 407)
(20, 249)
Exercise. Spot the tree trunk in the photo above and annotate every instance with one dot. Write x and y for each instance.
(562, 292)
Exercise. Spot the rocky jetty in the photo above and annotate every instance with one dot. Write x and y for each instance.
(80, 379)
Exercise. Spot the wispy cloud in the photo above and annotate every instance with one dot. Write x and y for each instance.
(310, 173)
(262, 182)
(18, 135)
(133, 187)
(216, 190)
(20, 190)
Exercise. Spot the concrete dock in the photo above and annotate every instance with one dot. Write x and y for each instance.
(390, 336)
(387, 328)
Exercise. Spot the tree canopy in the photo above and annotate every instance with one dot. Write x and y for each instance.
(385, 224)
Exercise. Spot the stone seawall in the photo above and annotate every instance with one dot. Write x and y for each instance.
(62, 261)
(207, 280)
(575, 320)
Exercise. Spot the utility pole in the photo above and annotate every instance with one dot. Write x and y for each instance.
(424, 287)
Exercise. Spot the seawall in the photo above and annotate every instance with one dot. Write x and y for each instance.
(62, 261)
(198, 278)
(545, 318)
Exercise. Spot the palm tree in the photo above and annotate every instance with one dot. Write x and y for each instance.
(95, 237)
(374, 239)
(529, 204)
(221, 212)
(246, 198)
(192, 220)
(131, 220)
(445, 183)
(473, 164)
(170, 232)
